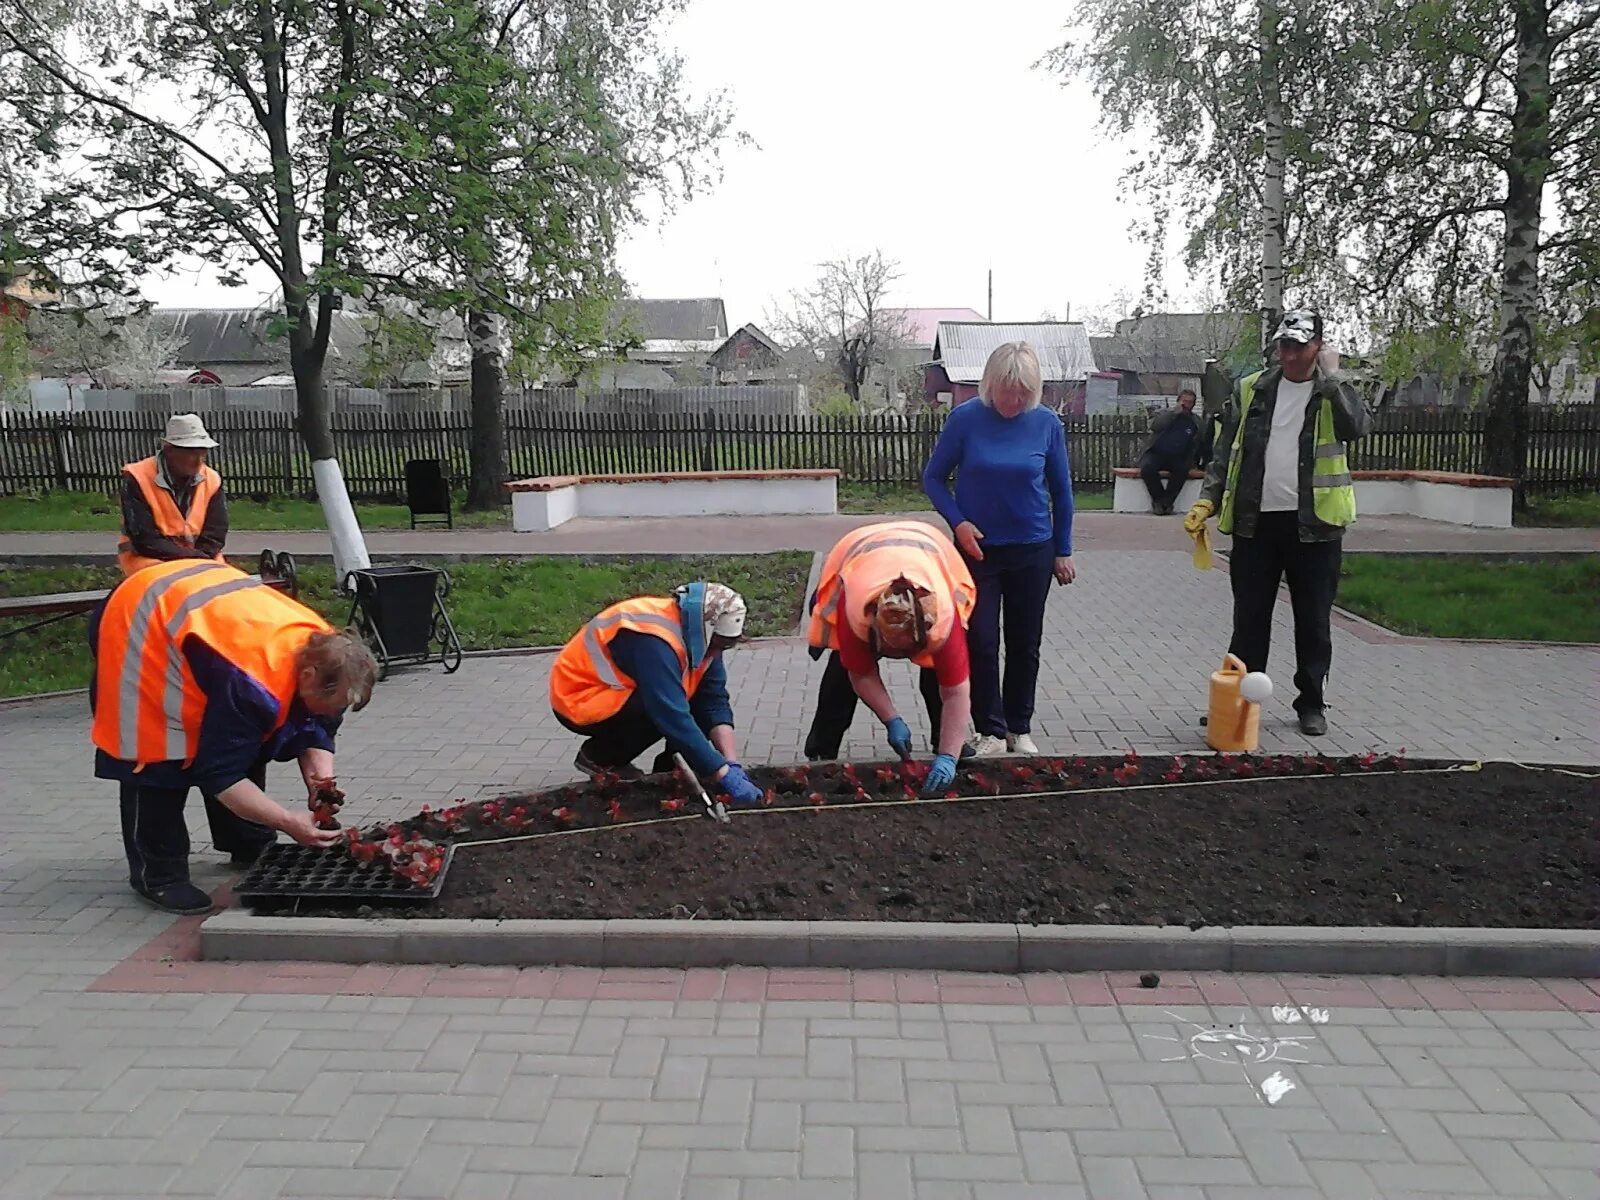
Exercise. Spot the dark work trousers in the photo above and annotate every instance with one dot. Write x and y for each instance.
(1013, 583)
(1312, 568)
(836, 707)
(619, 739)
(1163, 492)
(156, 836)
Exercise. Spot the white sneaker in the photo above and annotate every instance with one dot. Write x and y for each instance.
(987, 746)
(1021, 743)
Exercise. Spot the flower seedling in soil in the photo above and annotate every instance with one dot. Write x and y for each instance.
(325, 803)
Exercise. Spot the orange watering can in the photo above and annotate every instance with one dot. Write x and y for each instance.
(1234, 723)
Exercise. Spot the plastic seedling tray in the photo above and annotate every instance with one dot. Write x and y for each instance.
(291, 872)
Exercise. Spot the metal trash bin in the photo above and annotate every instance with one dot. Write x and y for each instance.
(399, 611)
(428, 492)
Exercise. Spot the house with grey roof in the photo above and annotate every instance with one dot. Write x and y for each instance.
(236, 346)
(1157, 354)
(961, 348)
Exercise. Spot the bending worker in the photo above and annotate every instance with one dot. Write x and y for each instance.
(172, 503)
(203, 675)
(651, 668)
(894, 590)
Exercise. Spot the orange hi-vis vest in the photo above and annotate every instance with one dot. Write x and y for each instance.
(148, 706)
(181, 528)
(867, 560)
(586, 686)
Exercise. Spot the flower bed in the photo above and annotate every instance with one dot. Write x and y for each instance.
(1198, 841)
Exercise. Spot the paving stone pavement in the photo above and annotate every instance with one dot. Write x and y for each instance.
(1092, 530)
(319, 1080)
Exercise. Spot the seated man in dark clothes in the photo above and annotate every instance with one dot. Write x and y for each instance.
(1174, 447)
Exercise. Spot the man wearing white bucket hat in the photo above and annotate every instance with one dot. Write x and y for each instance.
(172, 502)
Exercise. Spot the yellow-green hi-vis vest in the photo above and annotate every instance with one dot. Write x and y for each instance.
(1333, 493)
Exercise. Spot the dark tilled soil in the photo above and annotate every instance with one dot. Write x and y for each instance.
(1505, 846)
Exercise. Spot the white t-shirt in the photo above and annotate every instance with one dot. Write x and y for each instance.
(1280, 484)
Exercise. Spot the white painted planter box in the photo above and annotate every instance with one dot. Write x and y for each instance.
(538, 505)
(1131, 496)
(1435, 496)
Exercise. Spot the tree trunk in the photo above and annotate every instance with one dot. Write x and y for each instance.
(314, 421)
(1272, 174)
(1505, 429)
(312, 417)
(486, 454)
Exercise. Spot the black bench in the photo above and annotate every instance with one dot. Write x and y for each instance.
(275, 570)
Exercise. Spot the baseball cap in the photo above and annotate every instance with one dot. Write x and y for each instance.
(1299, 325)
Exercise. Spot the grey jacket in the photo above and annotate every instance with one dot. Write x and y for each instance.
(1350, 421)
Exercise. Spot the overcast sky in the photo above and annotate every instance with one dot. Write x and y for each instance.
(916, 126)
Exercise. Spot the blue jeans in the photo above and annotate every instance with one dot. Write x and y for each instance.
(1013, 581)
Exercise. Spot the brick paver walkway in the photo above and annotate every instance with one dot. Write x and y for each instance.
(744, 535)
(127, 1070)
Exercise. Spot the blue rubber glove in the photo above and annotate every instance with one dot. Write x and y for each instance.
(941, 774)
(899, 736)
(739, 787)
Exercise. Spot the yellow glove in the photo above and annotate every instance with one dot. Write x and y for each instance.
(1195, 520)
(1194, 523)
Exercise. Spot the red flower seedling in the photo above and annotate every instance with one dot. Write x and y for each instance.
(816, 799)
(672, 806)
(614, 811)
(1245, 769)
(563, 815)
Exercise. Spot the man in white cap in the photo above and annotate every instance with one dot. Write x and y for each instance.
(172, 502)
(649, 669)
(1279, 482)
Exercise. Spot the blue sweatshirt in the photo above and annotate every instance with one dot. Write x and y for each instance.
(653, 666)
(1013, 480)
(234, 737)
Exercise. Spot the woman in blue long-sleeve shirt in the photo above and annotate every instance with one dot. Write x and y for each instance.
(1011, 514)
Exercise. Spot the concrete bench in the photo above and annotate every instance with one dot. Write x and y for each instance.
(1129, 494)
(1483, 501)
(1460, 499)
(551, 500)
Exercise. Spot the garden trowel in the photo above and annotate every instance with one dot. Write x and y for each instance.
(715, 809)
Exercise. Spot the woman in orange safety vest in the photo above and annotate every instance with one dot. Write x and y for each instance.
(897, 589)
(203, 675)
(651, 668)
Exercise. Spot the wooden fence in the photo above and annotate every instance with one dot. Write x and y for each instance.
(261, 455)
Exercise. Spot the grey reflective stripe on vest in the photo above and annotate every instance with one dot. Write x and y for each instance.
(133, 657)
(1328, 481)
(172, 698)
(600, 660)
(1331, 450)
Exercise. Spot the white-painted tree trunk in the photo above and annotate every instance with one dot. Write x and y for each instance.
(349, 546)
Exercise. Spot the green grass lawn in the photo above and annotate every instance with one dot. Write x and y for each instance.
(1549, 599)
(906, 497)
(91, 511)
(501, 603)
(1579, 511)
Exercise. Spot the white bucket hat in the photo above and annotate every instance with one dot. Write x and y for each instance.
(187, 432)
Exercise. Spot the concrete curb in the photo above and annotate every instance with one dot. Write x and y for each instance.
(863, 945)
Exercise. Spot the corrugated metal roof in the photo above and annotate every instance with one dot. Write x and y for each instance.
(963, 347)
(242, 335)
(702, 319)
